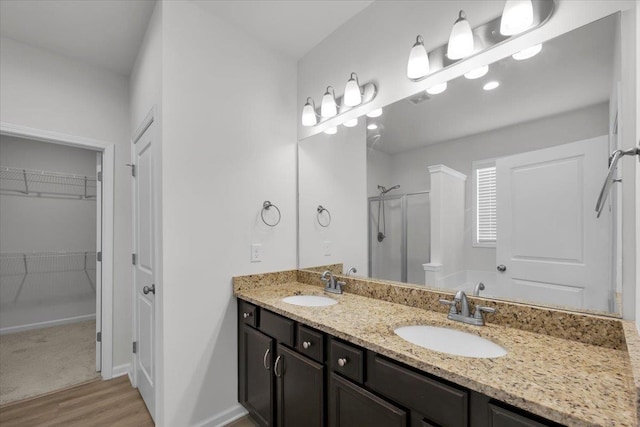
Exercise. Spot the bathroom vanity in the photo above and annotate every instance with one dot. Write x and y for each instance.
(342, 365)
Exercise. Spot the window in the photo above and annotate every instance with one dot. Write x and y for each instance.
(484, 204)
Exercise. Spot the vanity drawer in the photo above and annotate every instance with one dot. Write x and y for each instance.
(311, 343)
(248, 313)
(278, 327)
(501, 417)
(439, 403)
(347, 360)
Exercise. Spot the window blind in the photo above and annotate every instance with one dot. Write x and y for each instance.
(486, 205)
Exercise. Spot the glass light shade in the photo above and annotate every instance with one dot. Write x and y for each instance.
(352, 94)
(461, 39)
(375, 113)
(351, 123)
(372, 126)
(328, 108)
(439, 88)
(418, 65)
(491, 85)
(477, 72)
(527, 53)
(309, 117)
(331, 131)
(517, 16)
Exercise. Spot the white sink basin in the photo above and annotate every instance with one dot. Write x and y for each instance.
(450, 341)
(310, 300)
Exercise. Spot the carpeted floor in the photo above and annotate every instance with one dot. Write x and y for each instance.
(43, 360)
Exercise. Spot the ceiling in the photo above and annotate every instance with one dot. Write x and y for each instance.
(571, 72)
(290, 27)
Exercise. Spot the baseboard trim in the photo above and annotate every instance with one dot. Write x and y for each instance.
(47, 324)
(121, 370)
(223, 418)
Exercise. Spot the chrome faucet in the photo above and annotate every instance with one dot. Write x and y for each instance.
(331, 284)
(463, 315)
(479, 287)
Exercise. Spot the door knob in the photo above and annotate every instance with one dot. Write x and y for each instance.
(502, 268)
(148, 289)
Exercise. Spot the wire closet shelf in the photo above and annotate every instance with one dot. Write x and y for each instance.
(33, 182)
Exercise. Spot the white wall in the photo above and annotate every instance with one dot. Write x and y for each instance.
(47, 224)
(51, 92)
(228, 144)
(332, 173)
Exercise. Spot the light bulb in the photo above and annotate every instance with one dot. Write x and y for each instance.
(527, 53)
(477, 72)
(517, 16)
(461, 39)
(309, 117)
(352, 94)
(351, 123)
(328, 108)
(331, 131)
(491, 85)
(372, 126)
(439, 88)
(418, 65)
(375, 113)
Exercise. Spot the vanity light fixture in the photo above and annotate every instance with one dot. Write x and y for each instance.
(375, 113)
(329, 108)
(527, 53)
(477, 72)
(309, 115)
(351, 123)
(331, 131)
(418, 65)
(439, 88)
(372, 126)
(352, 94)
(491, 85)
(517, 16)
(461, 38)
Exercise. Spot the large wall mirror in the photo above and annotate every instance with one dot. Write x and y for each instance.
(488, 186)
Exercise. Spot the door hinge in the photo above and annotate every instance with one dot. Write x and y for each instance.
(99, 256)
(134, 258)
(99, 337)
(135, 347)
(100, 176)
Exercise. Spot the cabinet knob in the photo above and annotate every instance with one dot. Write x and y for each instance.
(342, 361)
(246, 315)
(306, 344)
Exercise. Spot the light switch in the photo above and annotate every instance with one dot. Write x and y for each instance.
(326, 246)
(256, 252)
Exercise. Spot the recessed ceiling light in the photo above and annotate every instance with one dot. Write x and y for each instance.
(491, 85)
(477, 73)
(372, 126)
(351, 123)
(527, 53)
(331, 131)
(375, 113)
(439, 88)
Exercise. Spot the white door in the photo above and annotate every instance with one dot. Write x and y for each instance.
(144, 268)
(552, 247)
(99, 262)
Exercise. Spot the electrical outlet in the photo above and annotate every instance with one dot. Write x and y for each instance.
(326, 246)
(256, 252)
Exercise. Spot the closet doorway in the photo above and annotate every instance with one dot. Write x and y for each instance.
(55, 261)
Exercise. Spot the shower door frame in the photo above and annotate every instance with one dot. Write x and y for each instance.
(404, 268)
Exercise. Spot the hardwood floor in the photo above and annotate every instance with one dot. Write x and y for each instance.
(97, 403)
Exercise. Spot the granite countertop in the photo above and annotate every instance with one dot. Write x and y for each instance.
(565, 381)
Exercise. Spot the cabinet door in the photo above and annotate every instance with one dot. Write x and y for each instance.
(300, 390)
(255, 378)
(353, 406)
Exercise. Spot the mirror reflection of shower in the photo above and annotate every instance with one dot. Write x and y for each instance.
(382, 225)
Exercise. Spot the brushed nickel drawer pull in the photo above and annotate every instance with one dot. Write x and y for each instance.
(246, 315)
(342, 362)
(306, 344)
(264, 359)
(275, 366)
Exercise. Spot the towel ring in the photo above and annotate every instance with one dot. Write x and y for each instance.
(320, 210)
(265, 207)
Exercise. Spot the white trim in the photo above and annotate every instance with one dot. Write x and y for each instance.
(225, 417)
(475, 165)
(146, 122)
(108, 193)
(121, 370)
(47, 324)
(447, 170)
(432, 267)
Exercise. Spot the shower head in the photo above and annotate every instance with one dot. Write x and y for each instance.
(384, 190)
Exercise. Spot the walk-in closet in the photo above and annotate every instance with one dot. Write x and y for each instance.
(50, 198)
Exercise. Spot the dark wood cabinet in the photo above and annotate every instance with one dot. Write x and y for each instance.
(300, 390)
(255, 379)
